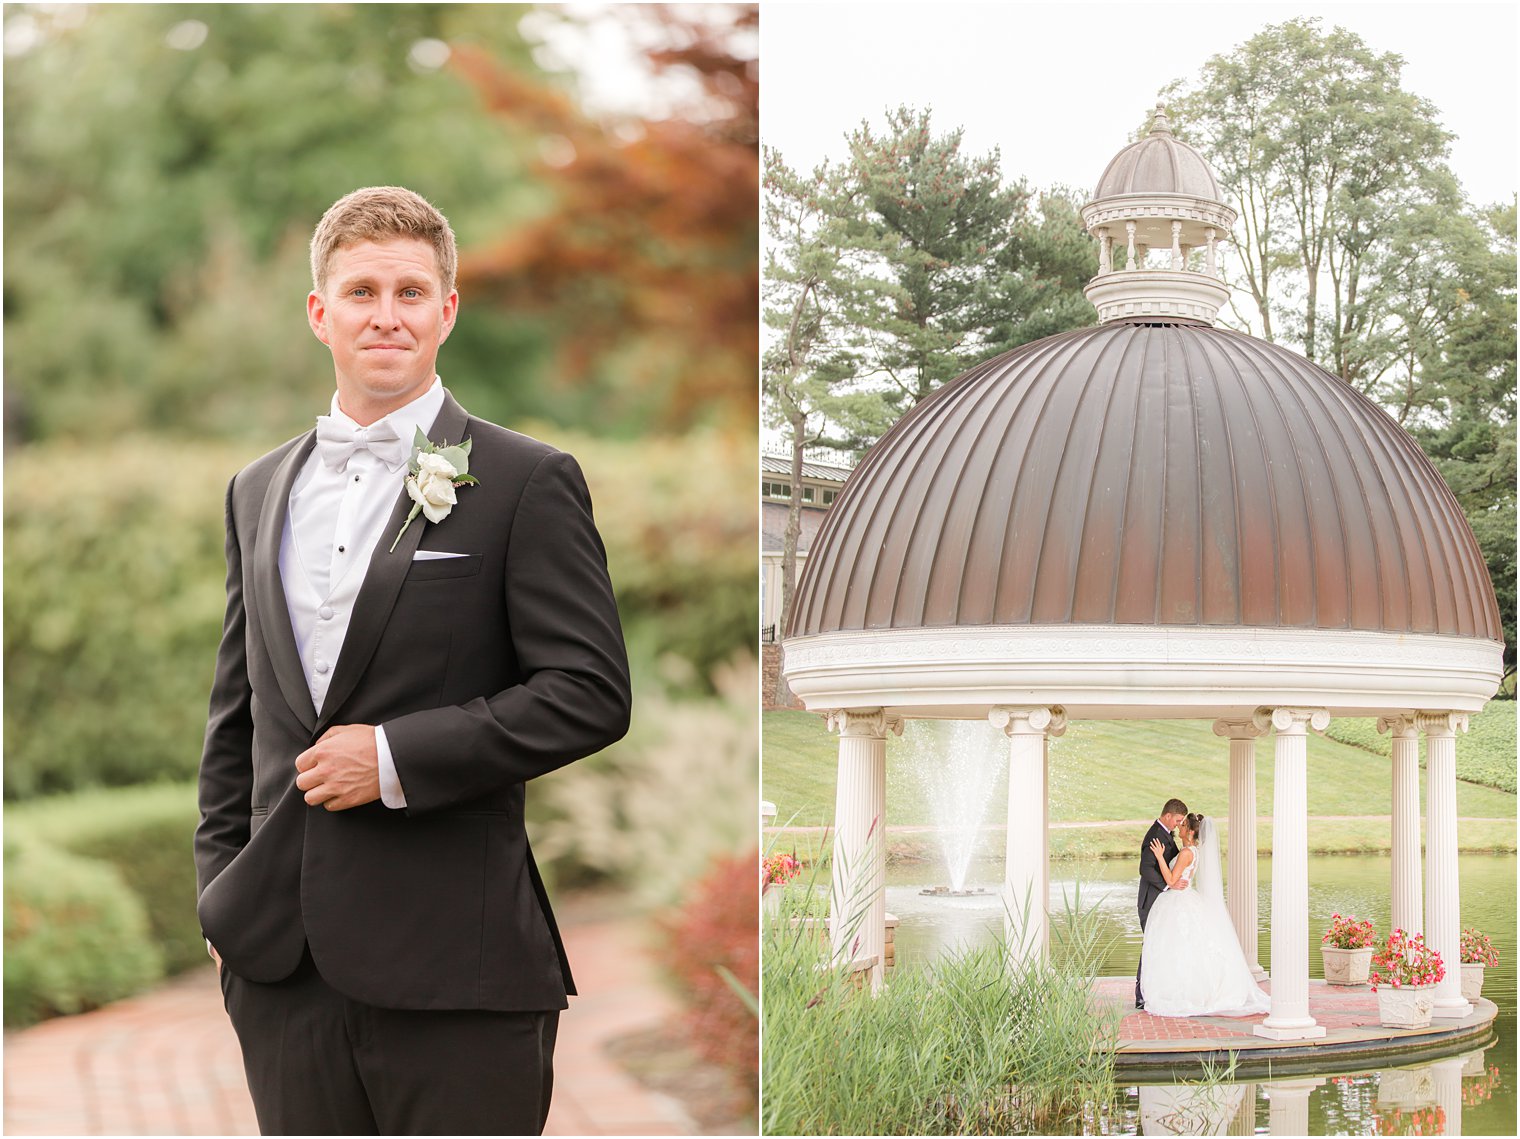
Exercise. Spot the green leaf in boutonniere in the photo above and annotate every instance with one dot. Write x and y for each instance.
(433, 471)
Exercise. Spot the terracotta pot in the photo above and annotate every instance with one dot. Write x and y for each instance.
(1472, 980)
(1346, 966)
(1407, 1007)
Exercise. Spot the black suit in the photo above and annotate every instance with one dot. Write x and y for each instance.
(485, 670)
(1152, 881)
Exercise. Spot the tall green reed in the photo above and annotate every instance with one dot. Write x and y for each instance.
(974, 1044)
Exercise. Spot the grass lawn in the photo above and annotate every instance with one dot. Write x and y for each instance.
(1099, 770)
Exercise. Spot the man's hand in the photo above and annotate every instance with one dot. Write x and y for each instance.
(341, 770)
(215, 956)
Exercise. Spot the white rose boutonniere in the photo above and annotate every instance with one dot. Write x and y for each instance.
(433, 472)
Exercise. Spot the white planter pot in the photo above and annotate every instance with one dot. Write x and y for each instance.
(1406, 1008)
(1346, 966)
(1472, 981)
(770, 900)
(1408, 1088)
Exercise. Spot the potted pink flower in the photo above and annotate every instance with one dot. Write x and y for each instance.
(1478, 953)
(1347, 949)
(1404, 974)
(775, 872)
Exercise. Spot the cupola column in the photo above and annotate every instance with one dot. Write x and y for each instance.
(1129, 230)
(1243, 735)
(1176, 247)
(1408, 910)
(858, 899)
(1289, 1018)
(1026, 875)
(1105, 252)
(1443, 902)
(1213, 253)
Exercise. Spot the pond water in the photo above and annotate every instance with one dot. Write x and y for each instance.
(1350, 1101)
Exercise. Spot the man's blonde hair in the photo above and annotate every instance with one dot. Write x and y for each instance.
(379, 213)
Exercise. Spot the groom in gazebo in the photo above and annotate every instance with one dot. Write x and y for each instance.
(1152, 884)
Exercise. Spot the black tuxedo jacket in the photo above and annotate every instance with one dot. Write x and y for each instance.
(485, 670)
(1152, 881)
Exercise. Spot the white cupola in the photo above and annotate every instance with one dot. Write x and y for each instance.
(1158, 216)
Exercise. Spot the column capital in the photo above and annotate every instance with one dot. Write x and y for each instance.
(864, 723)
(1398, 724)
(1239, 729)
(1291, 721)
(1022, 721)
(1441, 723)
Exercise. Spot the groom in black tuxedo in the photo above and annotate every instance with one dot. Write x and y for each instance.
(383, 691)
(1152, 882)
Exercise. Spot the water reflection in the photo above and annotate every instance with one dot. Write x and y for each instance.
(1428, 1099)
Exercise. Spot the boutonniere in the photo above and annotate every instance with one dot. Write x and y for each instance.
(433, 472)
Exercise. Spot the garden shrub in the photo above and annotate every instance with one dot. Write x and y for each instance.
(716, 926)
(75, 935)
(656, 807)
(145, 833)
(122, 593)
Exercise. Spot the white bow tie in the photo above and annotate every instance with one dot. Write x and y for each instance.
(338, 440)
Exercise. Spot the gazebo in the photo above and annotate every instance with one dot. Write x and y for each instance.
(1154, 518)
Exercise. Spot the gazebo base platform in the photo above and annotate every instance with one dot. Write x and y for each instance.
(1160, 1046)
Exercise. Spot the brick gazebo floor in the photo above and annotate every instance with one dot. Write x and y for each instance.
(1349, 1015)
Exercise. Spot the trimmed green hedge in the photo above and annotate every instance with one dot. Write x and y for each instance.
(76, 935)
(144, 835)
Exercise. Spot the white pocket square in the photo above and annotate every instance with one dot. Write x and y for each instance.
(434, 555)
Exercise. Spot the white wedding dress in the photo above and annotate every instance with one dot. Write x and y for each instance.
(1190, 962)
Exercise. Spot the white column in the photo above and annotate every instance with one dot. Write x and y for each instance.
(1129, 229)
(1243, 735)
(858, 900)
(1176, 247)
(1289, 1018)
(1443, 902)
(1105, 251)
(1288, 1100)
(1447, 1076)
(1213, 256)
(1408, 909)
(1026, 881)
(1243, 1122)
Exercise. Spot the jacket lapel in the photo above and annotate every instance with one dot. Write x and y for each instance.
(383, 579)
(272, 610)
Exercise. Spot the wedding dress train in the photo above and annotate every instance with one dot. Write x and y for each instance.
(1191, 963)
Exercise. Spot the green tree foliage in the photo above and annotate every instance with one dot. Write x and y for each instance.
(935, 220)
(165, 164)
(1324, 152)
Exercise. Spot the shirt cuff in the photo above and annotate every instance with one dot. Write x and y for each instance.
(390, 783)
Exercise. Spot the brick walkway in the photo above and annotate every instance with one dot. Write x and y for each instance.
(167, 1062)
(1349, 1014)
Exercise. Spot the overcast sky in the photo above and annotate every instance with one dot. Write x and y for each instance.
(1058, 87)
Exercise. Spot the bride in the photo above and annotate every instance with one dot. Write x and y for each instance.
(1191, 963)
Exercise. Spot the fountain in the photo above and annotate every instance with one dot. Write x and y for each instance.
(957, 764)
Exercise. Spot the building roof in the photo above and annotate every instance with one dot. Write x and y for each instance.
(824, 472)
(1147, 474)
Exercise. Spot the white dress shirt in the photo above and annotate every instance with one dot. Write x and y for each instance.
(336, 518)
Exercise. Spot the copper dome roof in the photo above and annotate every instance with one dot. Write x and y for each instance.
(1149, 474)
(1158, 164)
